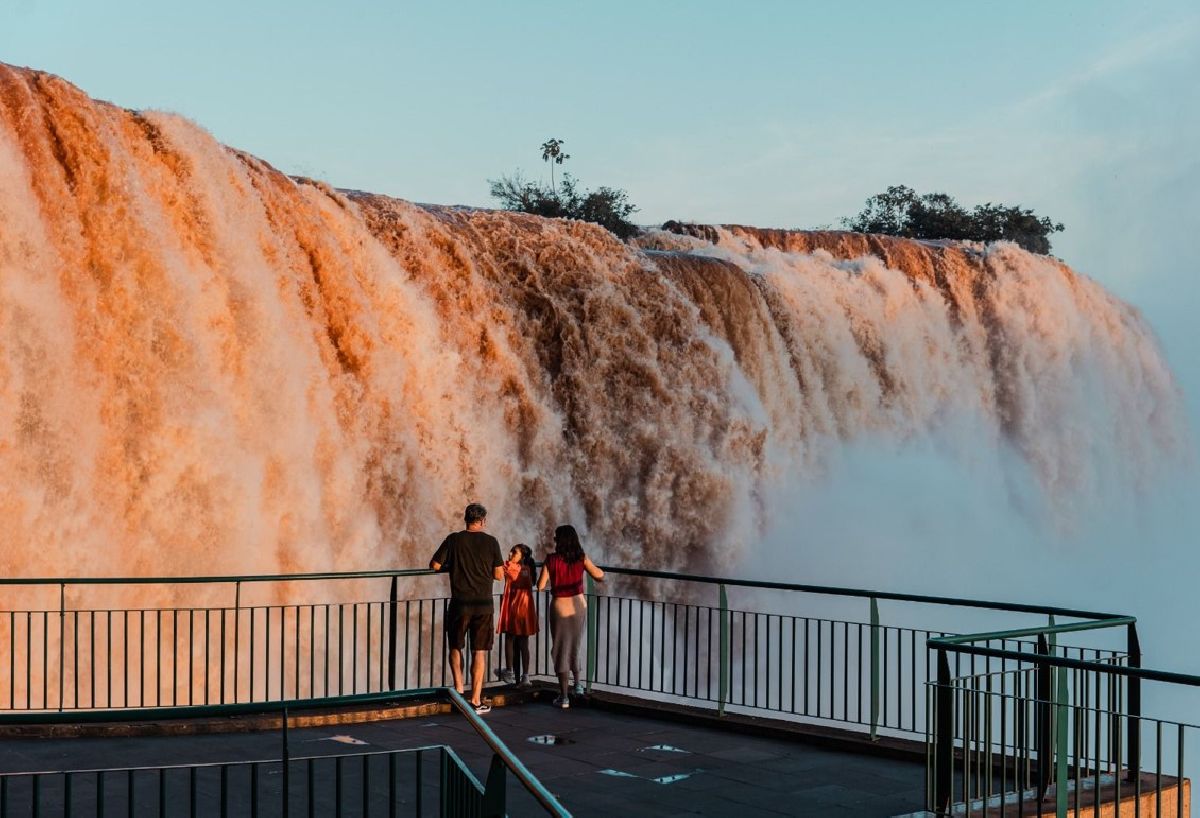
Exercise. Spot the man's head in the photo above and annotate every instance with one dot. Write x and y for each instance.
(475, 515)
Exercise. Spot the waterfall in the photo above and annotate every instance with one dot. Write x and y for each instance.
(207, 365)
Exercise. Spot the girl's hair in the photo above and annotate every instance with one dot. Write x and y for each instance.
(566, 543)
(526, 553)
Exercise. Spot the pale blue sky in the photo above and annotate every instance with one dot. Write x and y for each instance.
(770, 113)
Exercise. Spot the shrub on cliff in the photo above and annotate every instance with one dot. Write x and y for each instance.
(900, 211)
(608, 207)
(605, 206)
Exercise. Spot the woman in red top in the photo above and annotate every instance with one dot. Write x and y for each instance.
(518, 616)
(563, 571)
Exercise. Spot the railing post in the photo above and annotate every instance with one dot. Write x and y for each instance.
(1134, 704)
(1060, 761)
(62, 613)
(495, 793)
(1043, 717)
(393, 598)
(943, 748)
(874, 669)
(591, 633)
(723, 659)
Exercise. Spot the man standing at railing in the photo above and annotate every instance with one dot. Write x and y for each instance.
(472, 558)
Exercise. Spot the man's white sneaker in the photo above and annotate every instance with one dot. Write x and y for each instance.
(563, 702)
(579, 689)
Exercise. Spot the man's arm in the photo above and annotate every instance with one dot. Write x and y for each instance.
(497, 564)
(441, 556)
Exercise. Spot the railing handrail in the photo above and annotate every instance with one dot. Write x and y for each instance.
(201, 711)
(506, 756)
(833, 590)
(828, 590)
(1042, 630)
(239, 762)
(1148, 674)
(219, 580)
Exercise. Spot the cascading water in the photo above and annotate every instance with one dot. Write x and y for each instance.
(206, 362)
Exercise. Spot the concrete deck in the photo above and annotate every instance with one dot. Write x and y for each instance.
(597, 761)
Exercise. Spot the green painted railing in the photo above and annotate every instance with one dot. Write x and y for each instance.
(301, 780)
(793, 663)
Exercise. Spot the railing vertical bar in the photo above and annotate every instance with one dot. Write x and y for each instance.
(254, 773)
(393, 644)
(1096, 759)
(237, 635)
(391, 788)
(75, 658)
(845, 669)
(191, 653)
(420, 780)
(337, 785)
(874, 614)
(1179, 778)
(310, 783)
(1158, 765)
(62, 624)
(912, 683)
(723, 660)
(366, 786)
(1060, 768)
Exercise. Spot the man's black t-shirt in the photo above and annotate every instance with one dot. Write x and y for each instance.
(471, 558)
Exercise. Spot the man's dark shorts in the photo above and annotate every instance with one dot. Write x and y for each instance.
(470, 618)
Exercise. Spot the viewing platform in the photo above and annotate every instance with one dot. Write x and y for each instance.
(705, 696)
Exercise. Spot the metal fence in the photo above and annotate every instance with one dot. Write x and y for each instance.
(864, 675)
(1056, 733)
(783, 650)
(423, 781)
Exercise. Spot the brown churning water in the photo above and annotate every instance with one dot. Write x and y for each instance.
(208, 366)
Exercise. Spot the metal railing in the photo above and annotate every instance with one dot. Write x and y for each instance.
(1021, 754)
(736, 645)
(860, 673)
(1069, 728)
(412, 781)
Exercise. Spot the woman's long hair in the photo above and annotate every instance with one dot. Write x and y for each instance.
(567, 545)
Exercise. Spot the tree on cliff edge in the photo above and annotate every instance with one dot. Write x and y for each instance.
(900, 211)
(552, 152)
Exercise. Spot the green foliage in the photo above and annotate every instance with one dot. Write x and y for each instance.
(608, 207)
(900, 211)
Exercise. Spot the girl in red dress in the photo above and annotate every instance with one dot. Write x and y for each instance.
(518, 616)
